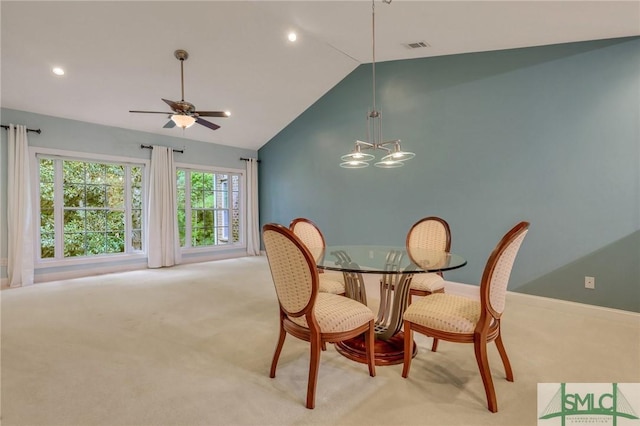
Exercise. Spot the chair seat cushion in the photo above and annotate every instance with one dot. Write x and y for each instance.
(337, 314)
(334, 275)
(328, 284)
(427, 282)
(445, 312)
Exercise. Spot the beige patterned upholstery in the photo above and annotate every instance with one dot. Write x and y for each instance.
(429, 234)
(290, 272)
(447, 312)
(336, 314)
(464, 320)
(310, 236)
(501, 273)
(430, 282)
(426, 238)
(331, 284)
(307, 314)
(330, 281)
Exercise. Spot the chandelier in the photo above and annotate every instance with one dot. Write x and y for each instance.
(395, 156)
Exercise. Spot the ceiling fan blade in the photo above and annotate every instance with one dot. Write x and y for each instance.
(174, 105)
(220, 114)
(154, 112)
(208, 124)
(170, 124)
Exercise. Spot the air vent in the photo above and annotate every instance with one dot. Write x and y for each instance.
(417, 45)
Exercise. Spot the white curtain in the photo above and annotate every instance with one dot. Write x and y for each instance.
(163, 239)
(253, 219)
(19, 213)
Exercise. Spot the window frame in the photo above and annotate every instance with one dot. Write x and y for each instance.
(56, 154)
(242, 189)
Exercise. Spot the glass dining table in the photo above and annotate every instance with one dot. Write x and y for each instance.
(396, 267)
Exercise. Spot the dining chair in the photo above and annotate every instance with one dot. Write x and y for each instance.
(464, 320)
(429, 233)
(311, 236)
(306, 313)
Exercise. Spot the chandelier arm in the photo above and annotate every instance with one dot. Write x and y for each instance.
(392, 142)
(365, 145)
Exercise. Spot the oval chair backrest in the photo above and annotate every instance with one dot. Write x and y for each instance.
(310, 235)
(493, 288)
(293, 269)
(431, 233)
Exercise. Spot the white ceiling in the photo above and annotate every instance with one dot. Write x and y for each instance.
(119, 55)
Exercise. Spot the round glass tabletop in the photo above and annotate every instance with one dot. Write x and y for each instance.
(387, 259)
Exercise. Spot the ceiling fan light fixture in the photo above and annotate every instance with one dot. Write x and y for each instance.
(184, 114)
(182, 120)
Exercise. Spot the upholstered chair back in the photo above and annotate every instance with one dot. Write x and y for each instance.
(430, 233)
(498, 269)
(292, 267)
(310, 235)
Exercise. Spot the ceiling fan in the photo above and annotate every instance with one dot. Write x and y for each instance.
(184, 113)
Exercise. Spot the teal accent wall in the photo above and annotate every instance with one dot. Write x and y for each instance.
(615, 266)
(70, 135)
(547, 134)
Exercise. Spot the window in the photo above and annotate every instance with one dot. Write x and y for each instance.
(89, 208)
(208, 208)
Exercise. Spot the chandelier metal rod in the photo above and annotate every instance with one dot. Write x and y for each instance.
(373, 55)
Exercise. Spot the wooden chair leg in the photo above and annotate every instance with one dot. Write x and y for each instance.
(314, 363)
(434, 345)
(408, 348)
(505, 359)
(276, 354)
(370, 345)
(480, 346)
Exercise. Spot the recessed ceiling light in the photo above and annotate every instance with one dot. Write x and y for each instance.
(57, 71)
(292, 36)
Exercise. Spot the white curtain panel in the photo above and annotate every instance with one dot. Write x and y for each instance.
(163, 239)
(253, 219)
(19, 213)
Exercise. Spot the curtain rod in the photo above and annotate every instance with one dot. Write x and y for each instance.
(181, 151)
(38, 131)
(247, 159)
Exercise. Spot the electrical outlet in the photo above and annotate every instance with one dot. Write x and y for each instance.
(589, 282)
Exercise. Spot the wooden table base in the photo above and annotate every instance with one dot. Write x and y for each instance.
(387, 352)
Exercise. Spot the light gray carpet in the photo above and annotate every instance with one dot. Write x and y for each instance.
(192, 345)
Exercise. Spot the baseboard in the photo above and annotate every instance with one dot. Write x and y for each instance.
(209, 257)
(618, 315)
(81, 273)
(461, 289)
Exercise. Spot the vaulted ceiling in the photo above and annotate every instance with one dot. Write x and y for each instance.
(119, 55)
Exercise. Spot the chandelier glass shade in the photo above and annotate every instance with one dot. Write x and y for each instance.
(395, 156)
(182, 120)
